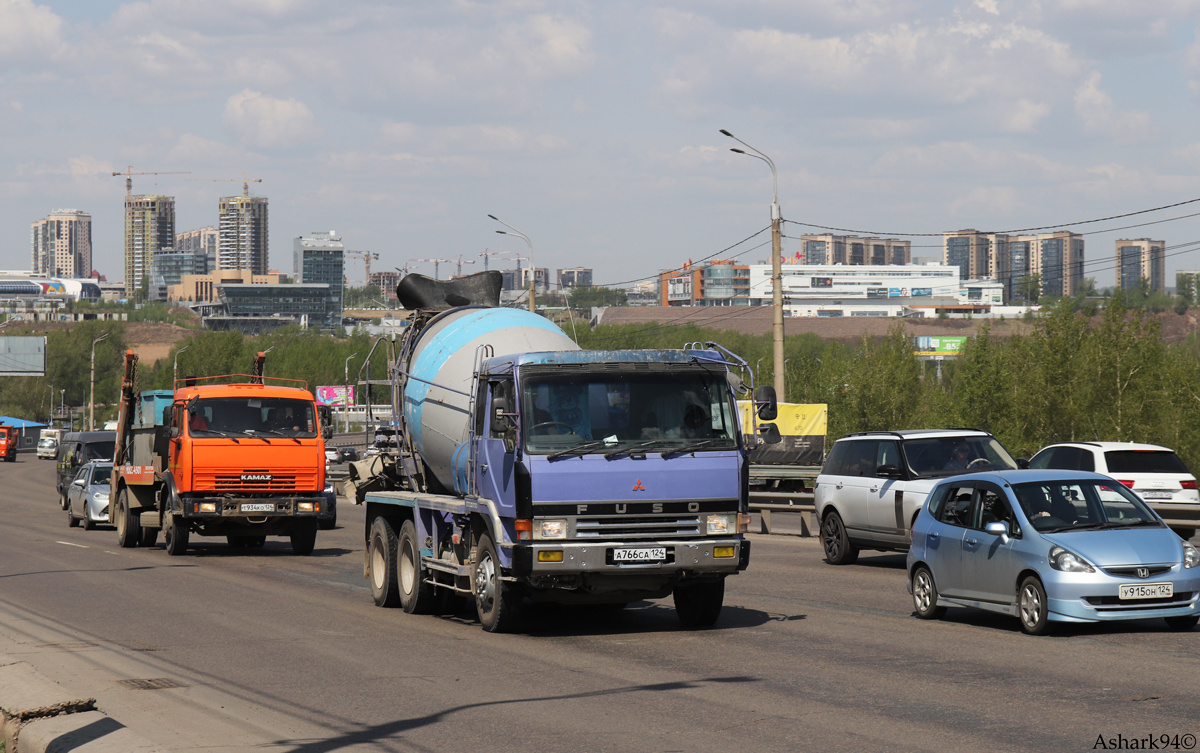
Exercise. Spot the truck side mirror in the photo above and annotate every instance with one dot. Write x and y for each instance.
(764, 397)
(770, 433)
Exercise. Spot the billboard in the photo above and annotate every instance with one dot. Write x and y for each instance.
(22, 355)
(802, 429)
(922, 292)
(821, 282)
(939, 346)
(334, 396)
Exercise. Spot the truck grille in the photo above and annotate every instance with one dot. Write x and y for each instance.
(633, 528)
(281, 480)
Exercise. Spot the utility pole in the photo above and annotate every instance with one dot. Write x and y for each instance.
(92, 399)
(346, 393)
(532, 269)
(776, 264)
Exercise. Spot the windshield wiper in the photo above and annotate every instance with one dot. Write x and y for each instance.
(580, 449)
(694, 446)
(1131, 523)
(633, 448)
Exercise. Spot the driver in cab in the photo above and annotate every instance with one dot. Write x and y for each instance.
(961, 459)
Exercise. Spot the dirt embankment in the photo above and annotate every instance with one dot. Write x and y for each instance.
(150, 340)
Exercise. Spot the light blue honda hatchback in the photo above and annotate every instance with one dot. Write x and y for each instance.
(1047, 546)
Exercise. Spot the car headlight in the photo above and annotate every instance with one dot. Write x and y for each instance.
(1068, 561)
(1191, 557)
(103, 497)
(719, 525)
(552, 529)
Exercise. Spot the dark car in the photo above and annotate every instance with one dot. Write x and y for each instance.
(347, 455)
(76, 449)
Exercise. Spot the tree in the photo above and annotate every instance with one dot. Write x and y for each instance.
(1030, 287)
(586, 297)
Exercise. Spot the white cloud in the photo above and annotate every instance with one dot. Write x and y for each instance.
(29, 30)
(268, 122)
(1096, 110)
(1024, 116)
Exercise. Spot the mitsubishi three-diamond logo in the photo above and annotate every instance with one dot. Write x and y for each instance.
(638, 486)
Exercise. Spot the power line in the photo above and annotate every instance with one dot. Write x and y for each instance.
(702, 259)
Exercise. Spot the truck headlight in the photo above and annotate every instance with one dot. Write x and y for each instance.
(208, 507)
(304, 507)
(1191, 557)
(552, 529)
(720, 525)
(1068, 561)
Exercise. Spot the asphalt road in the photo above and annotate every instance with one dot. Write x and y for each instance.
(281, 653)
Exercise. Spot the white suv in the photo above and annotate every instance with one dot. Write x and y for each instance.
(1156, 474)
(873, 484)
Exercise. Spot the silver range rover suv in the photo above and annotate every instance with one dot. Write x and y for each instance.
(873, 483)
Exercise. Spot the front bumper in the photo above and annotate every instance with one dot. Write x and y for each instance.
(234, 507)
(683, 557)
(1093, 597)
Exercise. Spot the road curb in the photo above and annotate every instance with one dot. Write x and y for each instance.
(37, 715)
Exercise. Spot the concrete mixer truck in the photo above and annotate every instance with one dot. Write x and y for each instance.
(528, 469)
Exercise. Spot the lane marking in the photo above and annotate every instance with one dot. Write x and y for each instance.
(68, 543)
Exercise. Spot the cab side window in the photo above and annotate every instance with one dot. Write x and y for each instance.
(956, 510)
(503, 401)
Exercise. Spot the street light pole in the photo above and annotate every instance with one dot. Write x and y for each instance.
(175, 368)
(346, 394)
(92, 398)
(776, 266)
(532, 269)
(62, 404)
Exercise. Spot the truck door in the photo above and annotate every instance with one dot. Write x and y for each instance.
(497, 445)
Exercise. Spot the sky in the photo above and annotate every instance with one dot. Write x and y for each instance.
(593, 127)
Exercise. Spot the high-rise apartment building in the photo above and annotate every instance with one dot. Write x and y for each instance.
(202, 244)
(970, 251)
(1142, 258)
(1057, 258)
(149, 228)
(849, 249)
(1013, 260)
(320, 259)
(242, 233)
(61, 244)
(386, 282)
(579, 277)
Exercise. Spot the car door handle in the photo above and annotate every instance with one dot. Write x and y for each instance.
(972, 542)
(933, 537)
(874, 488)
(839, 486)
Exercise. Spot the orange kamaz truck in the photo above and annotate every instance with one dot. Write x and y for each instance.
(9, 436)
(240, 456)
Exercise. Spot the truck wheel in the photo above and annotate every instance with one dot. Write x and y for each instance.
(381, 563)
(148, 538)
(129, 528)
(175, 535)
(699, 604)
(497, 602)
(72, 521)
(838, 549)
(304, 536)
(416, 596)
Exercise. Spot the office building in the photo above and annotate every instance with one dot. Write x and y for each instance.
(714, 283)
(320, 259)
(201, 243)
(579, 277)
(167, 268)
(203, 288)
(867, 290)
(1142, 258)
(242, 237)
(62, 244)
(149, 228)
(305, 304)
(849, 249)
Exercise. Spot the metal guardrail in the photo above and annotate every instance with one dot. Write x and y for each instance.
(765, 503)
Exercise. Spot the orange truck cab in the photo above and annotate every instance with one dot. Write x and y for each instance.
(231, 456)
(9, 436)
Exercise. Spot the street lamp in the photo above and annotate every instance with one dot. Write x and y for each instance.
(92, 398)
(346, 394)
(62, 404)
(776, 269)
(522, 236)
(175, 368)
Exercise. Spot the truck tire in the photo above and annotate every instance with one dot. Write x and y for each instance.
(497, 602)
(175, 534)
(149, 537)
(129, 527)
(304, 536)
(381, 563)
(699, 604)
(416, 596)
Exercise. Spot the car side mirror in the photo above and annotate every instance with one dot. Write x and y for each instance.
(770, 433)
(1022, 463)
(889, 471)
(998, 528)
(765, 398)
(77, 482)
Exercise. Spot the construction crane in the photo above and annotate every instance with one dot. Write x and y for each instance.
(367, 257)
(460, 263)
(129, 173)
(244, 180)
(435, 263)
(495, 255)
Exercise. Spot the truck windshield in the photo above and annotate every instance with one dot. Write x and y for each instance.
(252, 416)
(610, 412)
